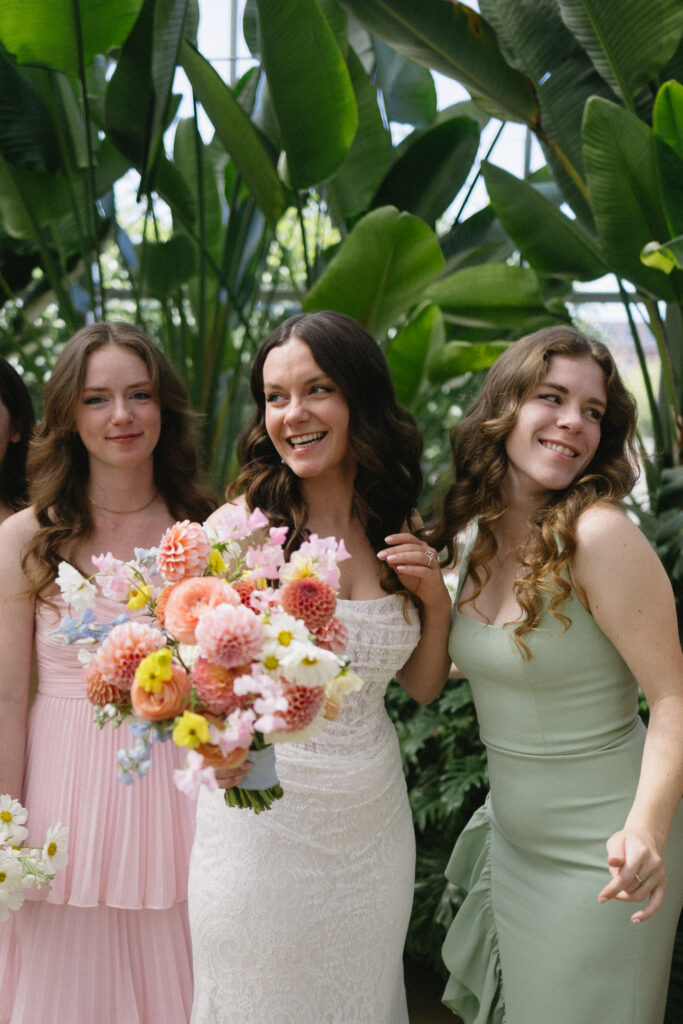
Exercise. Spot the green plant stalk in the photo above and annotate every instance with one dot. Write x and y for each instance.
(564, 160)
(475, 179)
(667, 372)
(50, 268)
(651, 399)
(99, 309)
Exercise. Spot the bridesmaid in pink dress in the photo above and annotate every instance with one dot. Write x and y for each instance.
(112, 466)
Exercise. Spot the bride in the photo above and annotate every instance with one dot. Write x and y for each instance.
(299, 914)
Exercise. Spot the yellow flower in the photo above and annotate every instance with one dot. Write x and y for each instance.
(191, 730)
(138, 597)
(216, 563)
(154, 670)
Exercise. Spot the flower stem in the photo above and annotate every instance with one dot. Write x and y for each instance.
(255, 800)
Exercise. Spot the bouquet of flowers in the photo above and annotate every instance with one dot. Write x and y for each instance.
(239, 649)
(25, 867)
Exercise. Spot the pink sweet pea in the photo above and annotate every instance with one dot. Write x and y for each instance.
(189, 779)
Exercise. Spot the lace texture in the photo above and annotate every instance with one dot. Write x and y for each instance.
(299, 915)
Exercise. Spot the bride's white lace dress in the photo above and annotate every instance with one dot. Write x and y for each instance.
(299, 914)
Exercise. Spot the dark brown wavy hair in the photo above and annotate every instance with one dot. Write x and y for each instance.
(480, 464)
(382, 436)
(58, 466)
(17, 400)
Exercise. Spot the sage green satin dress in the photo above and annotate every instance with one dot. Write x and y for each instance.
(530, 943)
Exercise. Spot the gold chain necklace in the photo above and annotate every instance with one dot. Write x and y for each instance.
(126, 512)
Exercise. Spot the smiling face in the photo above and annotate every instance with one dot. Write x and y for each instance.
(306, 414)
(117, 417)
(557, 430)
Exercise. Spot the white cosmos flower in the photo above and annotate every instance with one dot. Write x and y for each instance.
(309, 665)
(12, 890)
(55, 856)
(12, 818)
(77, 591)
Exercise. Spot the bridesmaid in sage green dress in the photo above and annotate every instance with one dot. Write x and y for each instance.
(563, 610)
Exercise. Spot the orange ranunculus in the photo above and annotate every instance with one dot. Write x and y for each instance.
(161, 602)
(213, 758)
(168, 702)
(189, 599)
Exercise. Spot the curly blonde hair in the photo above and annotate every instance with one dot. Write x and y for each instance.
(480, 465)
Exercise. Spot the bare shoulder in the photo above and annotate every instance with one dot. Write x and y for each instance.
(604, 529)
(614, 556)
(216, 516)
(18, 529)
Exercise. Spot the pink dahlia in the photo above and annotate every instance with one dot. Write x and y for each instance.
(190, 599)
(304, 704)
(184, 551)
(245, 588)
(123, 649)
(332, 636)
(229, 635)
(213, 684)
(310, 599)
(98, 690)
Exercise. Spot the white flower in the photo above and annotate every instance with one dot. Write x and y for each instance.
(77, 591)
(12, 890)
(12, 818)
(55, 856)
(346, 682)
(188, 654)
(309, 665)
(282, 635)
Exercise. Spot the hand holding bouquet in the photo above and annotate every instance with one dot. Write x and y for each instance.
(25, 867)
(240, 649)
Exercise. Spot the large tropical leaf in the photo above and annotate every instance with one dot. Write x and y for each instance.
(168, 31)
(534, 38)
(619, 153)
(310, 88)
(27, 134)
(370, 153)
(667, 116)
(411, 351)
(407, 88)
(494, 295)
(236, 132)
(552, 243)
(667, 124)
(478, 239)
(381, 271)
(459, 357)
(49, 32)
(455, 40)
(630, 41)
(431, 170)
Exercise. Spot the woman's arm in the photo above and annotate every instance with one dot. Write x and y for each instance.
(426, 671)
(16, 643)
(629, 595)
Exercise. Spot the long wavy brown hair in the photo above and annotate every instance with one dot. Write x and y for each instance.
(382, 435)
(58, 466)
(17, 400)
(480, 465)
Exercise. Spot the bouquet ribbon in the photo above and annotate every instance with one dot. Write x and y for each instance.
(263, 772)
